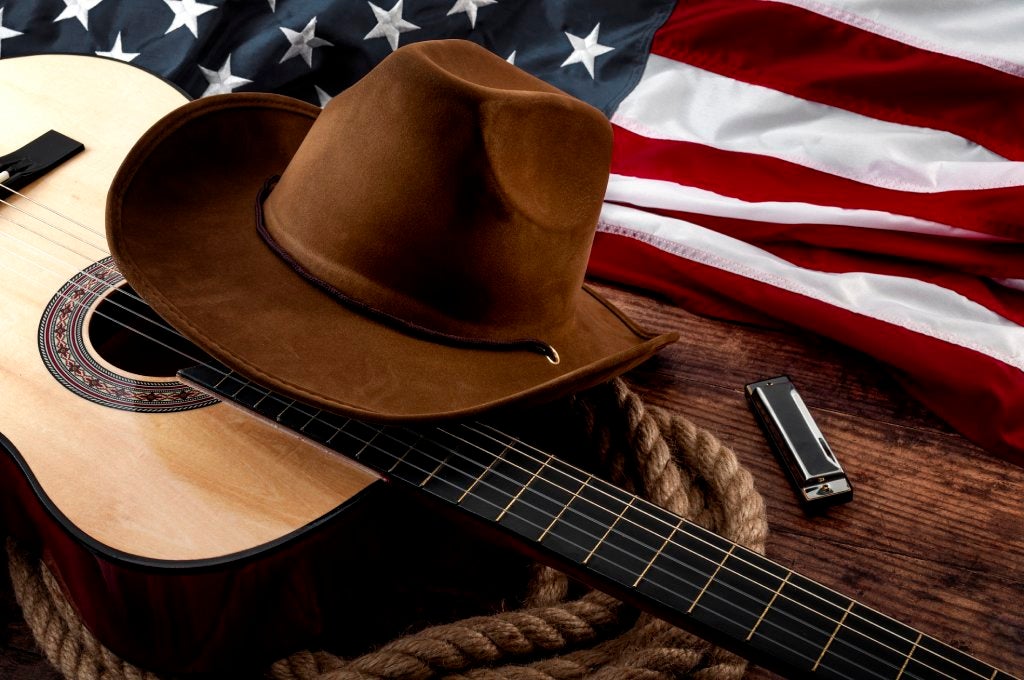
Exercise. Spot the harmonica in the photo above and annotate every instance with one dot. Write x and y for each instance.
(817, 476)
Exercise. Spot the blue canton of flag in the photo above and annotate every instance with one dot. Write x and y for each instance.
(313, 49)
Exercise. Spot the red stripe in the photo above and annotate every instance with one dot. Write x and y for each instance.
(752, 177)
(813, 57)
(987, 407)
(981, 258)
(1006, 302)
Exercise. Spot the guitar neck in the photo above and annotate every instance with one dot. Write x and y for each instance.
(623, 544)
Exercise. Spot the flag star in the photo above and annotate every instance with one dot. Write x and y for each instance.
(116, 52)
(303, 42)
(389, 24)
(322, 96)
(221, 81)
(186, 13)
(4, 31)
(585, 50)
(470, 7)
(78, 9)
(512, 58)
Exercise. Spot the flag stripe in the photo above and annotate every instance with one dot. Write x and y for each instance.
(813, 57)
(979, 395)
(984, 32)
(962, 287)
(660, 194)
(978, 259)
(729, 114)
(756, 178)
(906, 302)
(892, 236)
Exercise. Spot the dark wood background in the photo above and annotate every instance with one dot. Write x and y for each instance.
(933, 537)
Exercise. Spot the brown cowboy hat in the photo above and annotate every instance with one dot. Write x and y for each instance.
(421, 256)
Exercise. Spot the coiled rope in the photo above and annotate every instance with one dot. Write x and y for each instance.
(662, 457)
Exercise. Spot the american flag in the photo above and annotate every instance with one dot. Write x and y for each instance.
(849, 167)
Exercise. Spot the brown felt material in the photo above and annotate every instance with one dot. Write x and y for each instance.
(448, 189)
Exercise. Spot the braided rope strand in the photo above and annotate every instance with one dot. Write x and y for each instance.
(660, 456)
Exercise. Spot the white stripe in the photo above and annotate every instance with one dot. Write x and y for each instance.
(986, 32)
(655, 193)
(1015, 284)
(680, 102)
(918, 306)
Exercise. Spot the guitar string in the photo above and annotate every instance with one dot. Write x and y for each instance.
(433, 474)
(113, 270)
(527, 455)
(672, 574)
(110, 269)
(171, 330)
(675, 528)
(21, 210)
(113, 288)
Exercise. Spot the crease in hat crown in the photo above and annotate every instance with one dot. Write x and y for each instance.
(463, 201)
(447, 189)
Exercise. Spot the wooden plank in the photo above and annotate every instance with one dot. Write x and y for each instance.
(934, 535)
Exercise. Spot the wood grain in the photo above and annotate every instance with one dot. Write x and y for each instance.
(934, 535)
(167, 485)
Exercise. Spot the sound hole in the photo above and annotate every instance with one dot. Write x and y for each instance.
(128, 334)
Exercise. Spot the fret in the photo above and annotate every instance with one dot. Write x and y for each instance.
(339, 429)
(320, 427)
(865, 636)
(678, 567)
(668, 539)
(293, 415)
(743, 600)
(775, 596)
(413, 459)
(933, 659)
(800, 621)
(565, 506)
(587, 516)
(608, 531)
(500, 483)
(480, 477)
(711, 580)
(441, 463)
(832, 637)
(541, 499)
(632, 542)
(266, 394)
(909, 655)
(684, 566)
(519, 493)
(223, 376)
(245, 392)
(230, 383)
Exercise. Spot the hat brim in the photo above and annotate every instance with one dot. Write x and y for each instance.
(181, 227)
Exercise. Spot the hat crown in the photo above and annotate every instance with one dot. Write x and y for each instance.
(451, 190)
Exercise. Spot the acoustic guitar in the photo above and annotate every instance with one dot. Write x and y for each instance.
(188, 531)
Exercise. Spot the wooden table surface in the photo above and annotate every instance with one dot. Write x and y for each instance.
(933, 537)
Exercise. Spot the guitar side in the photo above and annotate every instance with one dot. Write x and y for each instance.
(173, 516)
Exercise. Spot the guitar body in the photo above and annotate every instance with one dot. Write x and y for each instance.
(168, 517)
(193, 535)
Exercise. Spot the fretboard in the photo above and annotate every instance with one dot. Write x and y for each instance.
(624, 544)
